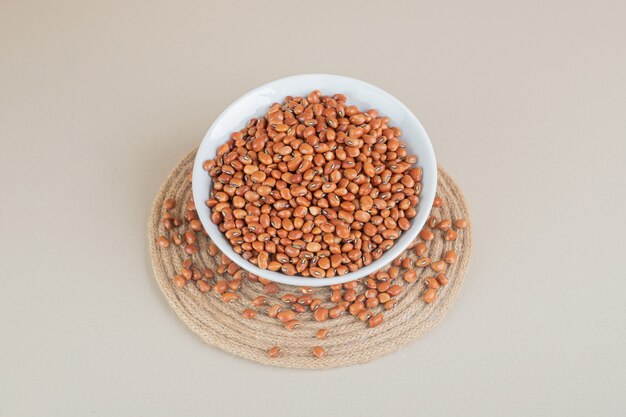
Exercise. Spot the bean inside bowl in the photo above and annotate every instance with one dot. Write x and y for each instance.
(316, 184)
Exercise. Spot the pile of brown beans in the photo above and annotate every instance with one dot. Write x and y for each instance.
(367, 299)
(314, 188)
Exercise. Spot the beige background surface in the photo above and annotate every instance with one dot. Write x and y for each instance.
(524, 102)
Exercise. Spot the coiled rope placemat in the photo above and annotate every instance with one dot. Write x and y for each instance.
(349, 341)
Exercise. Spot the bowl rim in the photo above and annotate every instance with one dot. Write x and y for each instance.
(417, 222)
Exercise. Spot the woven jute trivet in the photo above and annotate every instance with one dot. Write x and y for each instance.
(349, 341)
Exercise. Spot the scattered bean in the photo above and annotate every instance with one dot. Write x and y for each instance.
(274, 310)
(438, 266)
(321, 314)
(410, 276)
(422, 262)
(162, 242)
(429, 296)
(426, 234)
(248, 313)
(450, 257)
(259, 300)
(432, 282)
(442, 279)
(227, 297)
(461, 223)
(180, 281)
(376, 320)
(322, 334)
(286, 315)
(273, 352)
(421, 249)
(292, 325)
(169, 203)
(319, 352)
(271, 288)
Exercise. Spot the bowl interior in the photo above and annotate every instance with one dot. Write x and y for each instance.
(366, 96)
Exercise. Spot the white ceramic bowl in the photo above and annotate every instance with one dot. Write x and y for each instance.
(365, 96)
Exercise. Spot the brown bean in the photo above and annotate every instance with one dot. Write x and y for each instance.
(356, 307)
(372, 302)
(321, 314)
(203, 286)
(190, 237)
(324, 263)
(186, 272)
(313, 247)
(410, 276)
(319, 352)
(221, 286)
(426, 234)
(432, 282)
(442, 279)
(369, 229)
(336, 311)
(273, 352)
(248, 313)
(298, 308)
(429, 296)
(262, 260)
(191, 249)
(393, 272)
(274, 310)
(438, 266)
(432, 222)
(342, 231)
(450, 257)
(394, 290)
(227, 297)
(289, 298)
(162, 242)
(169, 203)
(421, 249)
(259, 300)
(168, 224)
(322, 334)
(349, 295)
(195, 225)
(376, 320)
(317, 272)
(292, 325)
(315, 304)
(422, 262)
(404, 224)
(444, 224)
(179, 281)
(365, 315)
(271, 288)
(461, 224)
(305, 299)
(286, 315)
